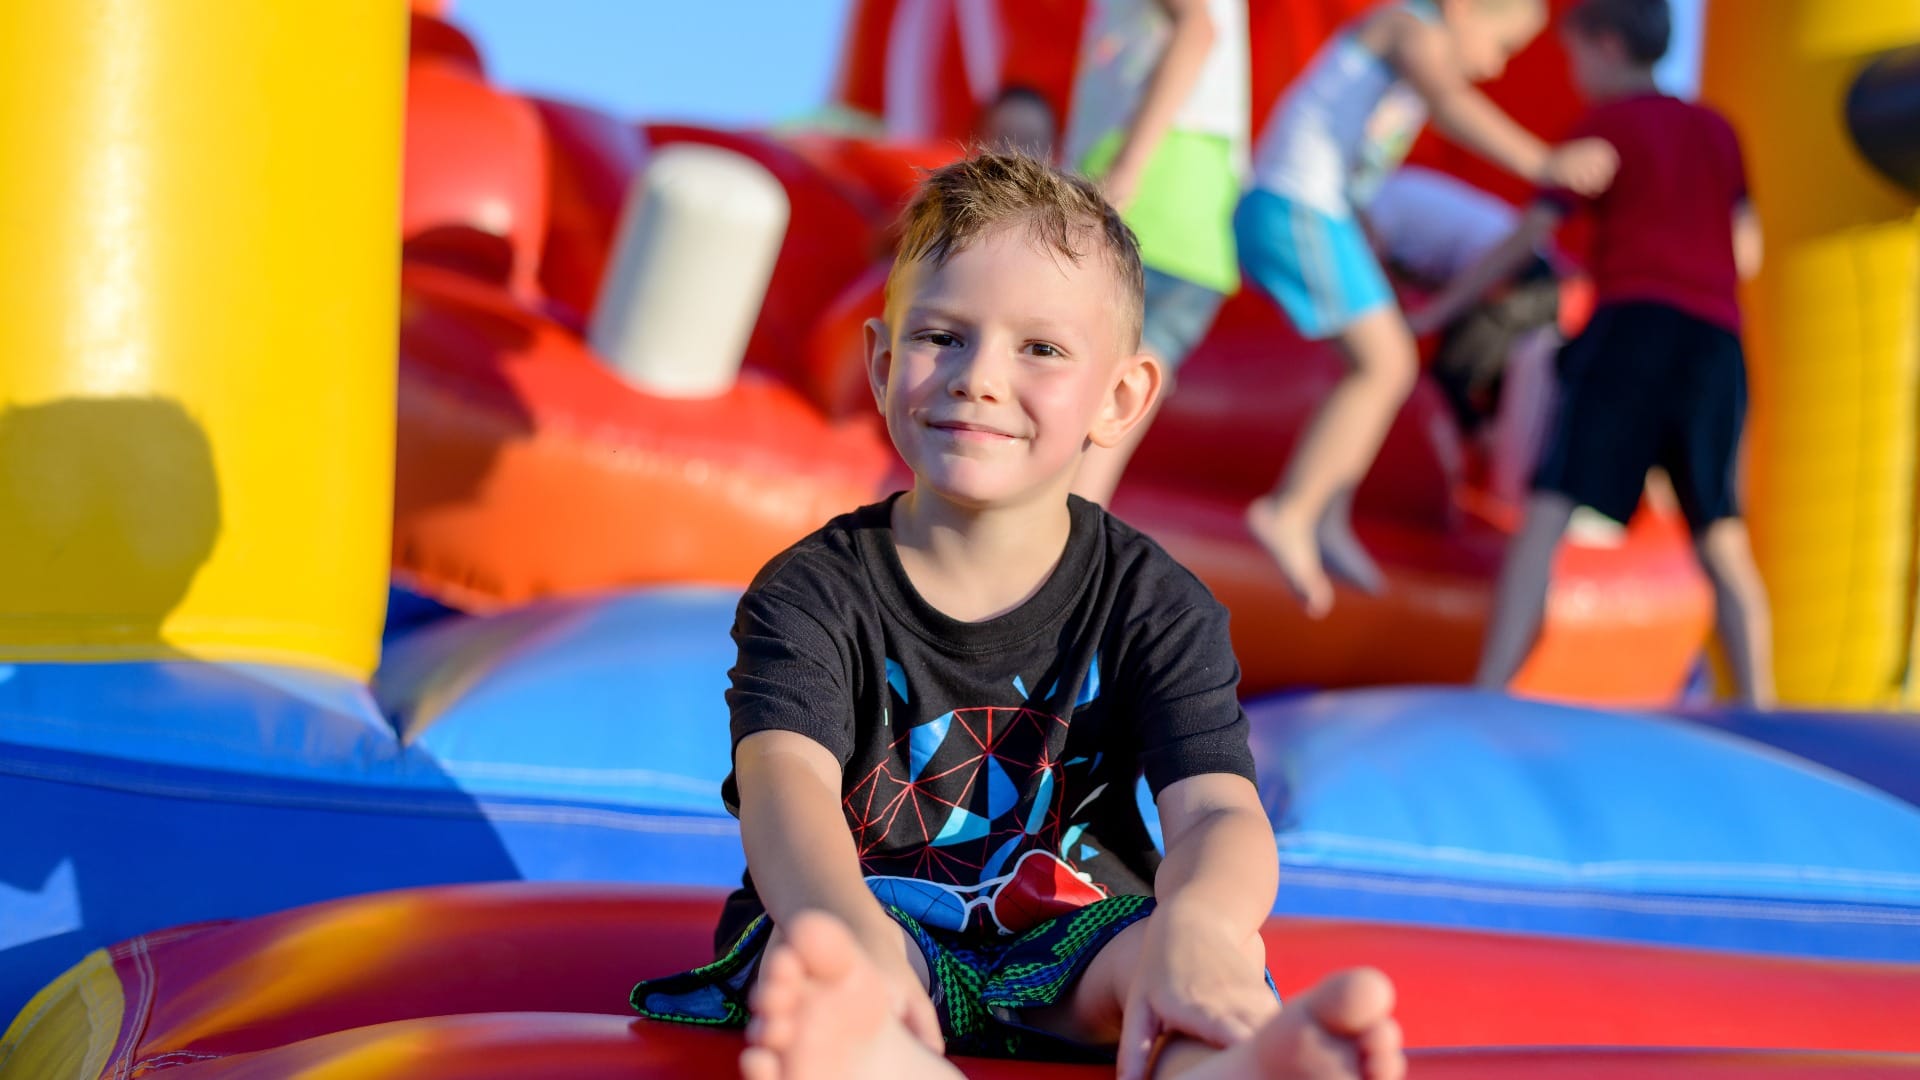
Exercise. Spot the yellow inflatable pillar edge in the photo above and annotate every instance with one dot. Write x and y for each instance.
(1833, 345)
(70, 1027)
(197, 328)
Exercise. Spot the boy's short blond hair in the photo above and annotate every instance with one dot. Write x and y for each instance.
(958, 204)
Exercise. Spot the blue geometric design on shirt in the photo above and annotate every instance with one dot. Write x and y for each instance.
(1021, 687)
(962, 826)
(1002, 796)
(897, 679)
(927, 902)
(1072, 838)
(924, 741)
(1042, 802)
(1073, 761)
(998, 863)
(1086, 852)
(1089, 686)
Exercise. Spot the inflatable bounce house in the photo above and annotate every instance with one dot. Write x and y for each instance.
(364, 620)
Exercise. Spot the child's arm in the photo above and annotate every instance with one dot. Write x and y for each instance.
(1749, 247)
(1496, 266)
(802, 857)
(1167, 89)
(1213, 891)
(1423, 54)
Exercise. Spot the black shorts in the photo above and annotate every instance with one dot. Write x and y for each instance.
(1646, 385)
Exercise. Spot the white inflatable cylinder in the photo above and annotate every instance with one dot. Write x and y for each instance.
(696, 247)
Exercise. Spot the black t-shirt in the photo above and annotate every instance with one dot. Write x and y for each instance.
(990, 766)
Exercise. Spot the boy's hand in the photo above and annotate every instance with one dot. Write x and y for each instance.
(1583, 166)
(1193, 980)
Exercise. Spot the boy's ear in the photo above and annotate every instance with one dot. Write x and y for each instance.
(1130, 400)
(879, 342)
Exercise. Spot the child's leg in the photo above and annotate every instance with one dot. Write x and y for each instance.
(1519, 598)
(1332, 456)
(1342, 1028)
(1526, 406)
(820, 1011)
(1740, 609)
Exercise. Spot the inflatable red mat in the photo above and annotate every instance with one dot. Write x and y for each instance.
(463, 980)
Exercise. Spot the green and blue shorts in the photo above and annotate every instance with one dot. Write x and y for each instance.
(981, 988)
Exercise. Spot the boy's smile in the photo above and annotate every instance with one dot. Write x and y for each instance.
(995, 369)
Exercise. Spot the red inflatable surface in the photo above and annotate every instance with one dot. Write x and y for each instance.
(481, 980)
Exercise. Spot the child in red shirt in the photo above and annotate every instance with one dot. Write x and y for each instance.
(1658, 377)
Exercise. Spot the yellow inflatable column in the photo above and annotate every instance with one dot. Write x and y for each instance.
(1832, 344)
(197, 328)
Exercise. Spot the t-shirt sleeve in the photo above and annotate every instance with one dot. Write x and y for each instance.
(790, 675)
(1185, 692)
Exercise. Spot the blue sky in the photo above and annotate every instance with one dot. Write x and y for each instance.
(724, 62)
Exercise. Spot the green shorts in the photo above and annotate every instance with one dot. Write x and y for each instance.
(981, 989)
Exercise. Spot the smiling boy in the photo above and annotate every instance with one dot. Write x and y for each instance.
(943, 703)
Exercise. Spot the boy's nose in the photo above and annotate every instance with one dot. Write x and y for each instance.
(978, 376)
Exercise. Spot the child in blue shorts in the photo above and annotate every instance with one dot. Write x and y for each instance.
(1160, 119)
(1349, 118)
(943, 703)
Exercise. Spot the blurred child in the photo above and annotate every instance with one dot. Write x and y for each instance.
(1658, 377)
(943, 702)
(1160, 118)
(1493, 361)
(1350, 116)
(1020, 121)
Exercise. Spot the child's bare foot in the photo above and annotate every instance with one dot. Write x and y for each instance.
(1346, 557)
(1288, 536)
(820, 1012)
(1342, 1028)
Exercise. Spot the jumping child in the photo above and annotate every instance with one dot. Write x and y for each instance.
(1658, 377)
(1350, 117)
(943, 702)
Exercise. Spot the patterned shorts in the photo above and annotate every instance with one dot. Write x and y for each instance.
(981, 989)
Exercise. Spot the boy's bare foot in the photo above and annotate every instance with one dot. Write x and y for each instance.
(820, 1012)
(1289, 537)
(1346, 557)
(1342, 1028)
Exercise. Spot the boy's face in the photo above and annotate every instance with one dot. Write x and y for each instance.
(1488, 33)
(996, 370)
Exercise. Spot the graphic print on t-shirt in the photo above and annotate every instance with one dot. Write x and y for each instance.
(961, 823)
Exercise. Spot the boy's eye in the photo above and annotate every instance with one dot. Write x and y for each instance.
(1041, 348)
(939, 338)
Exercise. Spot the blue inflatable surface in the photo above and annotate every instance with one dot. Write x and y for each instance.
(586, 740)
(1458, 808)
(140, 796)
(1882, 749)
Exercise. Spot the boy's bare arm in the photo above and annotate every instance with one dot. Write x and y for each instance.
(1196, 974)
(799, 849)
(1749, 246)
(1497, 265)
(1167, 89)
(1221, 862)
(1423, 55)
